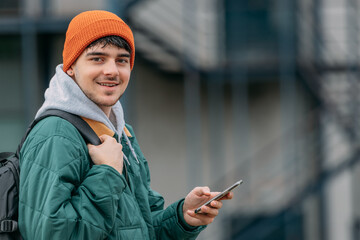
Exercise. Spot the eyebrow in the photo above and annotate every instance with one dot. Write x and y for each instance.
(105, 54)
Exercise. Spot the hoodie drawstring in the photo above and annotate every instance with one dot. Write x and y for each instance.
(131, 148)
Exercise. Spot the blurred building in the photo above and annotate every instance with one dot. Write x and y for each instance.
(264, 91)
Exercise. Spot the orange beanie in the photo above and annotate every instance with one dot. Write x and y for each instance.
(90, 26)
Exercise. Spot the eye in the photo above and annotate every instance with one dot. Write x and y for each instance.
(123, 60)
(96, 59)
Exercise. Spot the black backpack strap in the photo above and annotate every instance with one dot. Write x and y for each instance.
(84, 129)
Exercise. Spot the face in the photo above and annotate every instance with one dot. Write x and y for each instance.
(103, 74)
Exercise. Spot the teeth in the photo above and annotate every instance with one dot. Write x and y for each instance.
(108, 85)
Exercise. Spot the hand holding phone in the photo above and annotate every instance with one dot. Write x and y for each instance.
(220, 195)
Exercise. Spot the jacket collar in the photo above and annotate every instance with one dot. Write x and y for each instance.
(101, 129)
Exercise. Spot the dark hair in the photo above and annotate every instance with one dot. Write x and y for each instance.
(112, 40)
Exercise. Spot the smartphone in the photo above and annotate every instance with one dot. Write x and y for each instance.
(220, 195)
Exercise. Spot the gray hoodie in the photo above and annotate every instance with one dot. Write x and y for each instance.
(64, 94)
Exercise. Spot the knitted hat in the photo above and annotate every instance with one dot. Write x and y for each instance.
(90, 26)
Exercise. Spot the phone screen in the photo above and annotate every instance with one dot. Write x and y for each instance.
(220, 195)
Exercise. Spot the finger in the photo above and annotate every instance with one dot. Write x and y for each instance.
(228, 196)
(103, 137)
(209, 211)
(203, 218)
(200, 215)
(216, 204)
(200, 191)
(90, 146)
(213, 194)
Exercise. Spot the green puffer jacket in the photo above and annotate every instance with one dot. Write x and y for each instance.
(63, 197)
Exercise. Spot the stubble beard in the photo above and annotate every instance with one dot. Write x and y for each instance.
(98, 102)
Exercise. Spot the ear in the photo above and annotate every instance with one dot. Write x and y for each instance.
(70, 71)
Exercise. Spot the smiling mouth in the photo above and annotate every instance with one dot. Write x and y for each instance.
(108, 84)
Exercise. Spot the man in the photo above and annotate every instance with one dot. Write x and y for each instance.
(64, 196)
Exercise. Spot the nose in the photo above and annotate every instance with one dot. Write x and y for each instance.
(111, 69)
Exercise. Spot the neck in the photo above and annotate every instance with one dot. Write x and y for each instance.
(106, 110)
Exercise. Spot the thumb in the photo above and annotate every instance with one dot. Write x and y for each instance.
(103, 138)
(90, 146)
(200, 191)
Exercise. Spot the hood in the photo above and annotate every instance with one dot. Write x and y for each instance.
(64, 94)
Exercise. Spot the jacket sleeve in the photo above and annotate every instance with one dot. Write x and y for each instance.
(61, 197)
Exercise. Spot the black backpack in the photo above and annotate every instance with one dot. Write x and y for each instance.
(9, 174)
